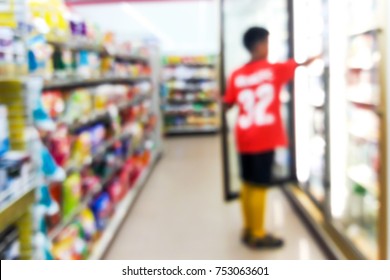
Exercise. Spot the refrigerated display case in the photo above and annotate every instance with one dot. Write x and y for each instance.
(310, 89)
(357, 125)
(353, 186)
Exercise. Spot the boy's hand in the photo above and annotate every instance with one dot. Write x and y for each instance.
(311, 60)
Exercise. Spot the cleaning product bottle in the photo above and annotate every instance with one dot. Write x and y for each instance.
(40, 117)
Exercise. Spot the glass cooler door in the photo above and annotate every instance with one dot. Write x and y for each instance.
(310, 39)
(237, 17)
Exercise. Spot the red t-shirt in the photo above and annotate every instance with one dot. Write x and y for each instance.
(255, 88)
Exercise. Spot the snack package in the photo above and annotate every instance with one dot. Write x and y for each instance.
(102, 209)
(60, 145)
(87, 221)
(71, 244)
(78, 105)
(53, 103)
(91, 183)
(72, 194)
(82, 149)
(117, 191)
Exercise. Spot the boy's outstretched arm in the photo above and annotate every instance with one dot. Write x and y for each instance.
(311, 60)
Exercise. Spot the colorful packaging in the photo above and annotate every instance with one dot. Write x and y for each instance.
(53, 103)
(78, 106)
(87, 221)
(102, 209)
(72, 194)
(98, 134)
(91, 183)
(4, 131)
(82, 148)
(71, 244)
(60, 145)
(9, 245)
(117, 191)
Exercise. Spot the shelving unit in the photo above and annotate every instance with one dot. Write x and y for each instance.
(100, 100)
(120, 210)
(72, 84)
(188, 95)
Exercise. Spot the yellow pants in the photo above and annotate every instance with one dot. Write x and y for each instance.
(253, 201)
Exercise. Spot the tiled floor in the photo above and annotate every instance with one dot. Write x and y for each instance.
(180, 214)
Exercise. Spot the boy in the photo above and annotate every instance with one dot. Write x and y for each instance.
(255, 88)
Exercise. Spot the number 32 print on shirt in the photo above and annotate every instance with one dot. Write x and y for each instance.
(255, 88)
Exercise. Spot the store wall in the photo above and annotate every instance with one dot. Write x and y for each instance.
(189, 27)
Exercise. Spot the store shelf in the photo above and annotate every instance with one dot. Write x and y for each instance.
(193, 65)
(101, 150)
(364, 103)
(355, 133)
(363, 241)
(188, 113)
(77, 83)
(80, 46)
(104, 114)
(120, 213)
(57, 230)
(190, 130)
(11, 212)
(362, 175)
(191, 79)
(179, 101)
(364, 31)
(188, 89)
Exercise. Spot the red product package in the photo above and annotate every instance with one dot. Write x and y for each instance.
(116, 191)
(135, 171)
(54, 103)
(60, 146)
(91, 184)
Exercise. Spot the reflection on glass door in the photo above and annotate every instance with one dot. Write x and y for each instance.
(355, 123)
(310, 39)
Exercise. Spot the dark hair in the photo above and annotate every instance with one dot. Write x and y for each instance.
(253, 36)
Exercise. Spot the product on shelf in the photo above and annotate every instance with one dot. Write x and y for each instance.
(81, 150)
(88, 224)
(60, 145)
(4, 131)
(72, 194)
(102, 208)
(13, 58)
(14, 176)
(9, 244)
(117, 191)
(71, 245)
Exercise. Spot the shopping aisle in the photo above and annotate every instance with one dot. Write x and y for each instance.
(180, 213)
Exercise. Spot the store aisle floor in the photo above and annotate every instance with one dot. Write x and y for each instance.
(180, 214)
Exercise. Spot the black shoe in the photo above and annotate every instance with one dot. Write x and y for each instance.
(246, 236)
(268, 241)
